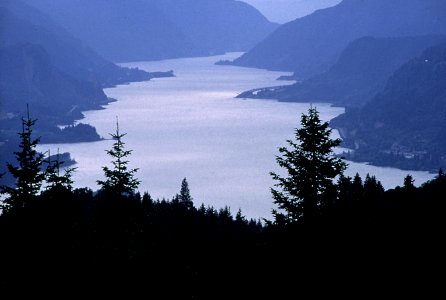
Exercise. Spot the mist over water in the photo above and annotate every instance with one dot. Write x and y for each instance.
(191, 126)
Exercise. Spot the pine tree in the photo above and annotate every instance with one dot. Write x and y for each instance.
(408, 182)
(147, 201)
(27, 172)
(372, 187)
(57, 182)
(311, 168)
(240, 219)
(185, 198)
(119, 179)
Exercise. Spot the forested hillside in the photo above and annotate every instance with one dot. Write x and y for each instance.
(405, 122)
(361, 71)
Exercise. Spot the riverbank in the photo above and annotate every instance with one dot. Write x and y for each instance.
(192, 126)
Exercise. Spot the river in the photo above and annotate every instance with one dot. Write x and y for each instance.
(191, 126)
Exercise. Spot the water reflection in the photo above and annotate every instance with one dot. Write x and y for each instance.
(191, 126)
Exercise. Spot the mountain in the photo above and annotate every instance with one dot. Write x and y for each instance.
(359, 74)
(312, 44)
(119, 30)
(44, 66)
(403, 125)
(23, 23)
(28, 76)
(288, 10)
(157, 29)
(218, 26)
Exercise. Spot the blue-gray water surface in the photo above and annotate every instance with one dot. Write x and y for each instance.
(191, 126)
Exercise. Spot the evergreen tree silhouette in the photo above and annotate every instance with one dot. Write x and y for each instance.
(408, 182)
(28, 172)
(147, 202)
(240, 219)
(56, 180)
(185, 198)
(119, 179)
(372, 187)
(311, 168)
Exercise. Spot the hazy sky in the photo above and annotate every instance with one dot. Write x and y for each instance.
(283, 11)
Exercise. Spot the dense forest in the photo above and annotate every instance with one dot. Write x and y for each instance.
(56, 238)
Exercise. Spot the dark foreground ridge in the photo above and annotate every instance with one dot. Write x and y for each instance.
(81, 241)
(338, 236)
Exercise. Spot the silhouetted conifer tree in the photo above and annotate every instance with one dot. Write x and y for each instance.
(311, 168)
(119, 179)
(147, 201)
(56, 180)
(184, 197)
(372, 187)
(357, 185)
(408, 182)
(240, 219)
(225, 214)
(28, 172)
(202, 209)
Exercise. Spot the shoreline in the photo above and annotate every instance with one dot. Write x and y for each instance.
(397, 161)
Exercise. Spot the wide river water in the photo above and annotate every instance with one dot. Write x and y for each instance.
(191, 126)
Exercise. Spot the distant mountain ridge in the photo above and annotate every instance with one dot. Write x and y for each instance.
(361, 71)
(23, 23)
(158, 29)
(310, 45)
(218, 26)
